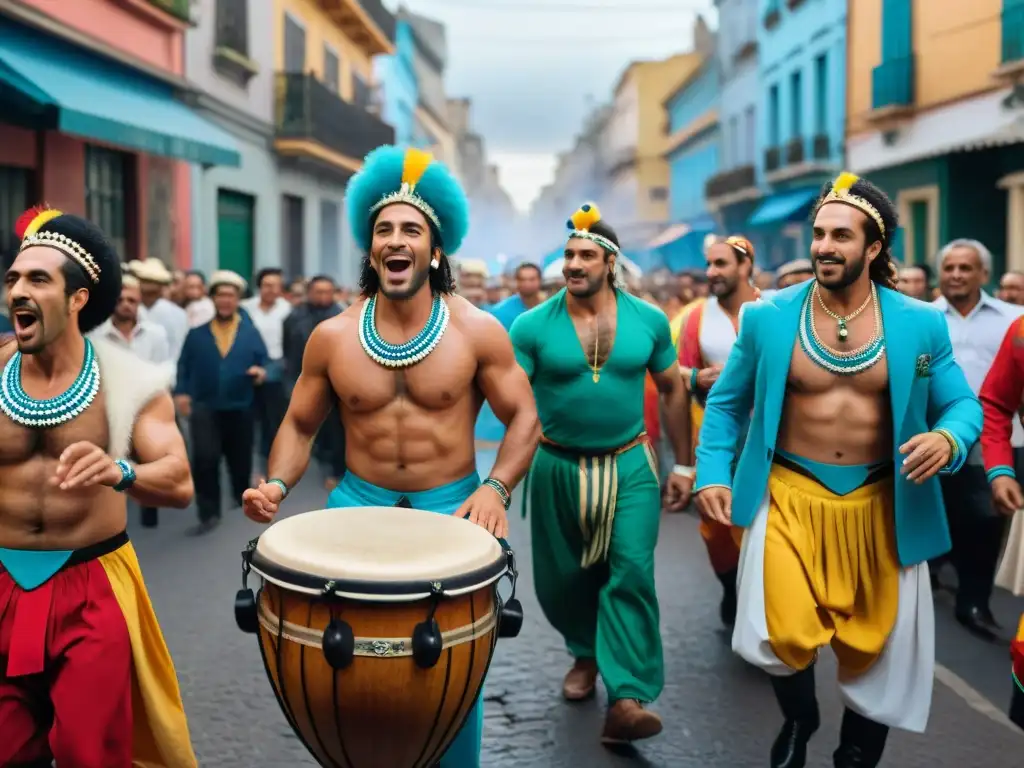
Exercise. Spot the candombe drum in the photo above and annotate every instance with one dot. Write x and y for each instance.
(377, 626)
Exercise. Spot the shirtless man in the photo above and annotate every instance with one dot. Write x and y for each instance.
(78, 637)
(410, 364)
(848, 381)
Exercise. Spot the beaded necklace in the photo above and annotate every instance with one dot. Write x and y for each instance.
(29, 412)
(832, 360)
(412, 351)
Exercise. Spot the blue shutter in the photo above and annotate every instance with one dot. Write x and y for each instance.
(897, 29)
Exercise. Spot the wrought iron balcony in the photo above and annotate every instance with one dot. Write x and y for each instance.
(180, 9)
(728, 182)
(821, 149)
(892, 84)
(795, 150)
(772, 159)
(306, 109)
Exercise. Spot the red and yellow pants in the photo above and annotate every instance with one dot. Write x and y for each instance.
(86, 679)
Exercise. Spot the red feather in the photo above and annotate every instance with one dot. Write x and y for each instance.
(23, 222)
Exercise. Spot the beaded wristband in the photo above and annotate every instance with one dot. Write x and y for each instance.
(127, 475)
(280, 484)
(693, 379)
(499, 488)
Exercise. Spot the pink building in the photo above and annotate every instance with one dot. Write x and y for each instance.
(91, 120)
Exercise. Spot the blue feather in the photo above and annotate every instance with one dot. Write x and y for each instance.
(382, 175)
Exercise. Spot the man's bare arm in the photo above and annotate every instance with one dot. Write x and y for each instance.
(508, 390)
(676, 404)
(162, 477)
(310, 403)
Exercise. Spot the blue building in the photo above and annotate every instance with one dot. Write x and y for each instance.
(401, 89)
(802, 117)
(734, 191)
(693, 155)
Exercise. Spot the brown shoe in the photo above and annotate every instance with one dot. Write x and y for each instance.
(628, 721)
(579, 682)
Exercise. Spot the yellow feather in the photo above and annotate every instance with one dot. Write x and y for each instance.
(42, 218)
(844, 181)
(584, 220)
(416, 163)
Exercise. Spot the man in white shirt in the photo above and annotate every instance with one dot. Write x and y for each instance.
(145, 338)
(198, 306)
(977, 324)
(154, 277)
(268, 310)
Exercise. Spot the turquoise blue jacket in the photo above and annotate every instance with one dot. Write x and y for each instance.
(927, 388)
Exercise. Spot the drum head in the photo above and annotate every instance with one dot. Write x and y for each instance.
(383, 553)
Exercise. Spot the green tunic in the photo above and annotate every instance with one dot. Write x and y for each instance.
(595, 509)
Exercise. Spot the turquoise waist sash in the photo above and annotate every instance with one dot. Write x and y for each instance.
(32, 568)
(841, 479)
(353, 491)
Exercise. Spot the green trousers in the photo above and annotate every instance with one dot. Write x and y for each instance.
(594, 523)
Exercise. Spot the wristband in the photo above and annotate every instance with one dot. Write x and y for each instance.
(684, 471)
(954, 448)
(127, 476)
(280, 484)
(693, 379)
(501, 489)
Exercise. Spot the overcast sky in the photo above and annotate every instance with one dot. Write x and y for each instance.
(534, 67)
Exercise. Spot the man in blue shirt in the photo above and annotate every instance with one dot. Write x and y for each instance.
(221, 364)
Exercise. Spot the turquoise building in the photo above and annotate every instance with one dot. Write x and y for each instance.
(400, 87)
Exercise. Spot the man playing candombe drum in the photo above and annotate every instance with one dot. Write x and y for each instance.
(410, 365)
(1002, 396)
(594, 488)
(846, 379)
(78, 637)
(708, 333)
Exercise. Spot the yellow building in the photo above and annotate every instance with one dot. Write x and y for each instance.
(933, 118)
(324, 53)
(634, 145)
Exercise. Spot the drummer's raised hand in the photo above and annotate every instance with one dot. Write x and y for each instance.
(260, 503)
(486, 509)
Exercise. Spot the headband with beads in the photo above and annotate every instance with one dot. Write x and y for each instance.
(580, 223)
(840, 193)
(27, 228)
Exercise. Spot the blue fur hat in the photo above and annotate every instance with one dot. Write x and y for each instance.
(398, 175)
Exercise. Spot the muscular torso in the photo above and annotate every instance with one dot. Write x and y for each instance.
(596, 336)
(35, 513)
(409, 429)
(837, 419)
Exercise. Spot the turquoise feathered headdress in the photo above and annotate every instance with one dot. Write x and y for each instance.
(398, 175)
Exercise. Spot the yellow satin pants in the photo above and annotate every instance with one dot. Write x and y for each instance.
(831, 571)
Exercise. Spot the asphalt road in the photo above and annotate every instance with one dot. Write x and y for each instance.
(718, 712)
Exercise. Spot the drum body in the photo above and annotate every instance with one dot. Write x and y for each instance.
(384, 577)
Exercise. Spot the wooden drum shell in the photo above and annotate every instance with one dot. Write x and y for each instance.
(378, 712)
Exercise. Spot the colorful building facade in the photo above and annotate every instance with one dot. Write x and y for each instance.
(936, 120)
(326, 119)
(801, 126)
(692, 150)
(733, 192)
(397, 76)
(92, 121)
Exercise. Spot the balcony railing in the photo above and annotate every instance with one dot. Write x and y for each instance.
(178, 8)
(307, 109)
(892, 83)
(795, 150)
(1013, 34)
(733, 180)
(772, 159)
(821, 149)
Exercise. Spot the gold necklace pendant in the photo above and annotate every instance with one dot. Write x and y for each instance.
(597, 377)
(597, 338)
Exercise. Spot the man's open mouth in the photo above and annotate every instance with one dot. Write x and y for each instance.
(397, 264)
(24, 320)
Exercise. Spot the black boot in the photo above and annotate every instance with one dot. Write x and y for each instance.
(861, 742)
(799, 705)
(727, 608)
(1017, 706)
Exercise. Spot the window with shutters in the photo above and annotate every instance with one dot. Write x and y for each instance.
(106, 195)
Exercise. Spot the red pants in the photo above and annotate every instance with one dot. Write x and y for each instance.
(723, 545)
(65, 672)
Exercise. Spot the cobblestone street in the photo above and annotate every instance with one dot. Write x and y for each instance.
(718, 712)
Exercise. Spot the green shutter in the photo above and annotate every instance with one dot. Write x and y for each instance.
(897, 29)
(919, 226)
(236, 232)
